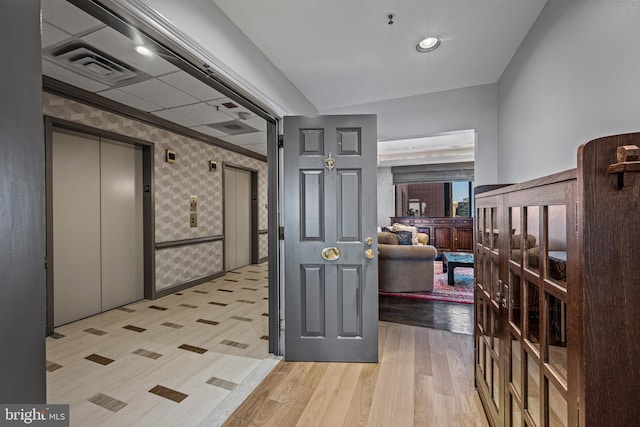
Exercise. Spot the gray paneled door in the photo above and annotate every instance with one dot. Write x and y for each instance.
(331, 285)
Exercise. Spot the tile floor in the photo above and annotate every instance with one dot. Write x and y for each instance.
(185, 359)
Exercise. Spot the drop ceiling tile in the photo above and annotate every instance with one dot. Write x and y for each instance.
(202, 113)
(57, 72)
(233, 112)
(67, 17)
(209, 131)
(175, 117)
(257, 122)
(130, 100)
(122, 48)
(236, 140)
(247, 138)
(159, 93)
(192, 86)
(52, 35)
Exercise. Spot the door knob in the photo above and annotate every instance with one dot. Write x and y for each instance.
(369, 254)
(369, 241)
(330, 253)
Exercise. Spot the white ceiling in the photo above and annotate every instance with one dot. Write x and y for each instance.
(338, 53)
(162, 89)
(341, 53)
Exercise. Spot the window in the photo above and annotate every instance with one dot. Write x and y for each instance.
(434, 199)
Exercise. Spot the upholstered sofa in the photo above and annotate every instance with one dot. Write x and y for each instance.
(405, 268)
(530, 245)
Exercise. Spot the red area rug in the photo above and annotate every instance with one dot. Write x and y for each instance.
(462, 292)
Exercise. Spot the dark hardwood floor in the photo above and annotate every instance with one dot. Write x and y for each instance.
(446, 316)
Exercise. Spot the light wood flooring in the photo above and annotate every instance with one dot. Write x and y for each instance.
(424, 378)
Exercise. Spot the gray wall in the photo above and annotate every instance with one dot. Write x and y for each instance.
(386, 196)
(22, 242)
(431, 114)
(575, 77)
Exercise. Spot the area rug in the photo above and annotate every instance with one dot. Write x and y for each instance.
(462, 292)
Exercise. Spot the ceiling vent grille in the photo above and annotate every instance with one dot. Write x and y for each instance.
(233, 127)
(95, 64)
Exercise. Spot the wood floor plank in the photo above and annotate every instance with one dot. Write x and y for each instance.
(393, 400)
(424, 378)
(425, 409)
(332, 396)
(360, 405)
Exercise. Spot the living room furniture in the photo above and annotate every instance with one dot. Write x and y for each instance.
(451, 234)
(404, 268)
(557, 324)
(451, 260)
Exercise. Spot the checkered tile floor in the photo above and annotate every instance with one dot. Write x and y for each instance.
(171, 361)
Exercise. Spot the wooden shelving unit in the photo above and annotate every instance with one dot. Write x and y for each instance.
(557, 329)
(451, 234)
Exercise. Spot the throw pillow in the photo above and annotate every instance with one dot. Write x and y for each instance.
(411, 228)
(404, 237)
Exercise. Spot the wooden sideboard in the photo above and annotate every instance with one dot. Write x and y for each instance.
(447, 234)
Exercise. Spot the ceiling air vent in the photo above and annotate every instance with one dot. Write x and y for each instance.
(93, 63)
(233, 127)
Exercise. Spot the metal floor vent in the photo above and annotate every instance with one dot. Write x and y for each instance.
(93, 63)
(233, 127)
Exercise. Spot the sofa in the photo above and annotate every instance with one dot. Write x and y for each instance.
(406, 267)
(530, 246)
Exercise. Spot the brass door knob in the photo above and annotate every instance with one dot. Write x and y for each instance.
(369, 254)
(331, 253)
(369, 241)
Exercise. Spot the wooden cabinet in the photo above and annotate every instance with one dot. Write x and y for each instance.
(445, 233)
(557, 324)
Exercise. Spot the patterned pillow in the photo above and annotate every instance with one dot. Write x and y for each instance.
(404, 237)
(411, 228)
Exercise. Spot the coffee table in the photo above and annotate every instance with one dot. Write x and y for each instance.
(451, 260)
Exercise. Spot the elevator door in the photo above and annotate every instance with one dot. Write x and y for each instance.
(98, 256)
(122, 224)
(237, 193)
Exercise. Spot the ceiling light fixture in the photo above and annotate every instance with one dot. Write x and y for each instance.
(143, 51)
(428, 44)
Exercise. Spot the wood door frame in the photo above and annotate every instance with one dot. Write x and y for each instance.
(254, 233)
(148, 214)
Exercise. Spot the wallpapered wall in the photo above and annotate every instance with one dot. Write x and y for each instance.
(174, 184)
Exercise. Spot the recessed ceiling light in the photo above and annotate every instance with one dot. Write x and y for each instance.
(428, 44)
(143, 50)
